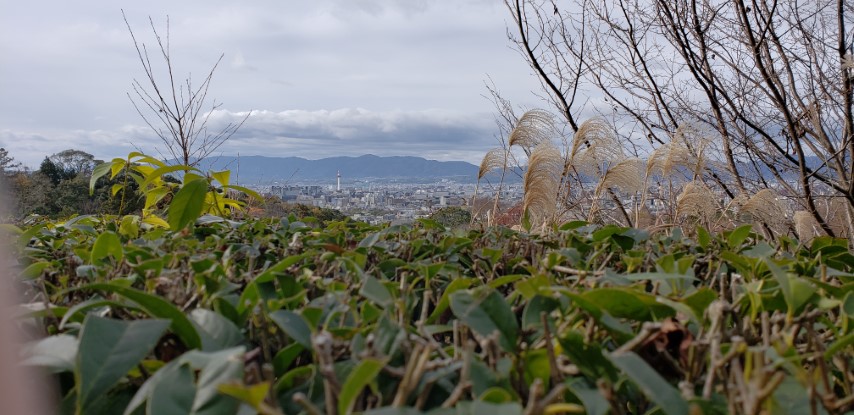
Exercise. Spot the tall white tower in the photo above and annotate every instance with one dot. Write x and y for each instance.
(339, 180)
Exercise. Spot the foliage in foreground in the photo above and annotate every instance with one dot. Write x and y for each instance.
(276, 316)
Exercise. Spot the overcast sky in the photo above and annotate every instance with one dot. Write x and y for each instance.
(322, 77)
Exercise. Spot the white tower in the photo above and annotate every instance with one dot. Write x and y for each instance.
(339, 180)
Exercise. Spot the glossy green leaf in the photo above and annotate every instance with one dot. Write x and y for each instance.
(98, 172)
(187, 205)
(738, 235)
(363, 374)
(294, 325)
(156, 306)
(108, 349)
(159, 172)
(107, 244)
(221, 176)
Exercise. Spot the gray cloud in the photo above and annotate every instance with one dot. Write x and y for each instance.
(434, 134)
(65, 74)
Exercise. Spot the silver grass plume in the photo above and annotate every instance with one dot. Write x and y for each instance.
(696, 199)
(495, 159)
(765, 206)
(805, 226)
(534, 126)
(626, 175)
(686, 149)
(541, 182)
(594, 144)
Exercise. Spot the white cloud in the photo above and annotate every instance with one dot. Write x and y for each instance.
(65, 74)
(433, 134)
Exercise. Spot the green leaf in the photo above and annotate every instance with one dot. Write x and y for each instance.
(375, 291)
(496, 395)
(594, 402)
(160, 171)
(129, 226)
(174, 393)
(156, 307)
(627, 303)
(704, 238)
(107, 244)
(170, 391)
(485, 311)
(98, 172)
(221, 176)
(253, 395)
(72, 313)
(839, 345)
(34, 270)
(783, 281)
(108, 350)
(737, 236)
(216, 331)
(294, 325)
(363, 374)
(187, 204)
(444, 301)
(651, 383)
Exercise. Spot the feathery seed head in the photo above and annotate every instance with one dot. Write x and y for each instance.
(542, 180)
(493, 160)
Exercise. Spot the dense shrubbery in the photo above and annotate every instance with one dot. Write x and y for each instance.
(452, 216)
(192, 307)
(274, 316)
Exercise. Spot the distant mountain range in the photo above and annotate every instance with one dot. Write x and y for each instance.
(261, 169)
(267, 170)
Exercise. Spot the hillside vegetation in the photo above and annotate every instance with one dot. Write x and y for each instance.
(218, 316)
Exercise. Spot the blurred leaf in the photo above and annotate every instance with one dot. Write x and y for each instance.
(444, 301)
(737, 236)
(485, 311)
(253, 395)
(34, 270)
(155, 306)
(496, 395)
(363, 374)
(294, 325)
(594, 402)
(108, 349)
(216, 332)
(107, 244)
(221, 176)
(375, 291)
(651, 383)
(56, 353)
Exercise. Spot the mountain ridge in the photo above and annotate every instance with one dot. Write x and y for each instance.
(258, 169)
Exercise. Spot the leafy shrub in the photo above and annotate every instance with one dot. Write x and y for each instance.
(452, 216)
(212, 315)
(272, 316)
